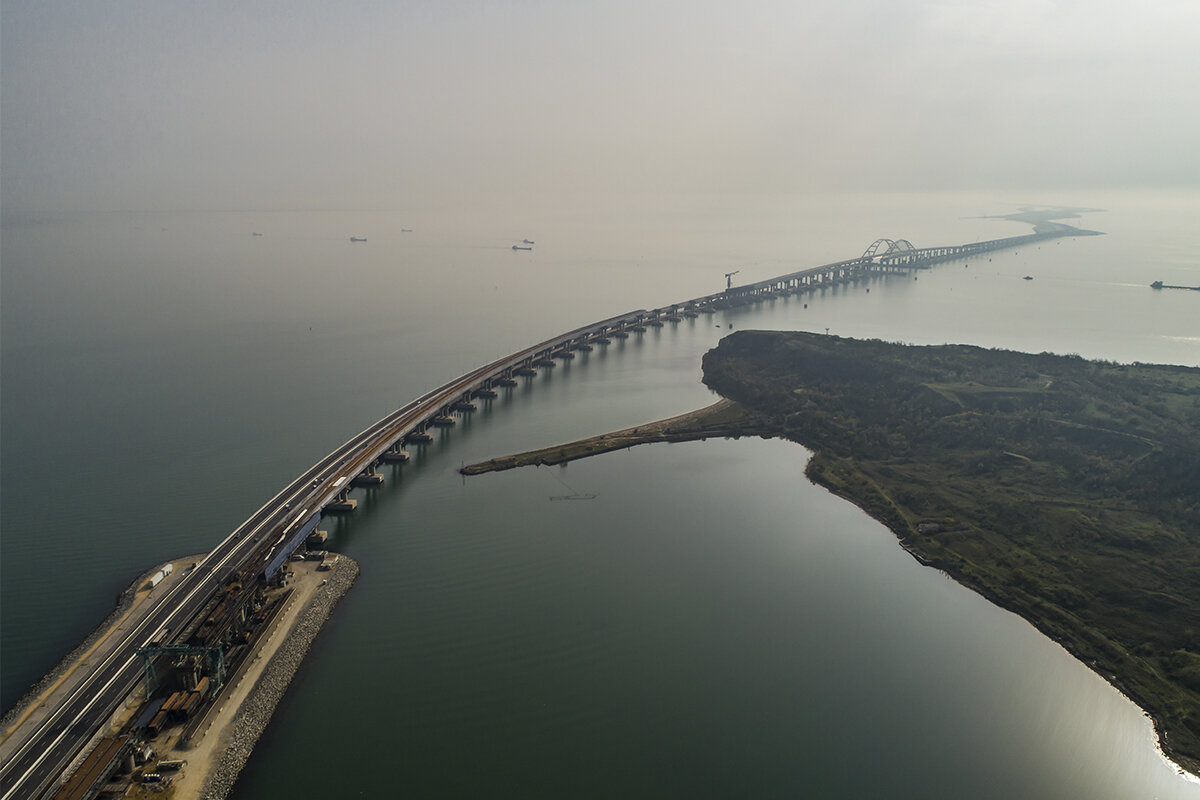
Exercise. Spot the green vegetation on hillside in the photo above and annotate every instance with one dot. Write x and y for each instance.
(1064, 489)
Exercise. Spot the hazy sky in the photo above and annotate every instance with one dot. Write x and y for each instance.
(225, 105)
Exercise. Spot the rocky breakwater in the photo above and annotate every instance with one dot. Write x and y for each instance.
(252, 718)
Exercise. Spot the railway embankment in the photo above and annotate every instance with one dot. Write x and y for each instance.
(130, 608)
(220, 749)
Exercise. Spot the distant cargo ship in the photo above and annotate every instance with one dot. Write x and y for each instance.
(357, 239)
(1161, 285)
(518, 247)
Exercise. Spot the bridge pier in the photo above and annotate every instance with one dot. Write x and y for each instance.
(464, 404)
(395, 454)
(368, 477)
(443, 419)
(418, 435)
(342, 504)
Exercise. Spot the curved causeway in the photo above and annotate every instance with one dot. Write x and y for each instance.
(196, 611)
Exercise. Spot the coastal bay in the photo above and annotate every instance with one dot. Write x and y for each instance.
(1061, 489)
(448, 566)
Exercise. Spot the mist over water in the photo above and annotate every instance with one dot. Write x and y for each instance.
(709, 623)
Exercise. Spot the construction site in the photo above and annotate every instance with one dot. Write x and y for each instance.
(168, 737)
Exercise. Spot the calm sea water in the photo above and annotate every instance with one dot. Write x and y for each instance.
(710, 623)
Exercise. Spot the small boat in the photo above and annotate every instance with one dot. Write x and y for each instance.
(357, 239)
(406, 230)
(256, 233)
(518, 247)
(1027, 278)
(526, 241)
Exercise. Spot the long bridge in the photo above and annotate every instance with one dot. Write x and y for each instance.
(222, 581)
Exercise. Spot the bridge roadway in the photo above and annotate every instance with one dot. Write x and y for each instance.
(50, 749)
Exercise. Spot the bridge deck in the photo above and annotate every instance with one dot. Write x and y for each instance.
(46, 751)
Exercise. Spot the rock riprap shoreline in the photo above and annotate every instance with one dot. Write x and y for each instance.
(252, 717)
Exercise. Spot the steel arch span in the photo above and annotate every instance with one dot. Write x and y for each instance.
(883, 247)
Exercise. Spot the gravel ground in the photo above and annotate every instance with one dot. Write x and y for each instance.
(256, 712)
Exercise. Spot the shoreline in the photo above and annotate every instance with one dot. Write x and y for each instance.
(238, 724)
(1182, 763)
(737, 421)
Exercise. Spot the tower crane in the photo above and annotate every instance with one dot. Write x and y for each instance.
(729, 279)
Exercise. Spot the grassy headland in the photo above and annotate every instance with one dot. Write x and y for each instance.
(1063, 489)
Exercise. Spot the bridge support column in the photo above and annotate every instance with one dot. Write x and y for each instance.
(368, 477)
(342, 504)
(395, 454)
(463, 403)
(418, 435)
